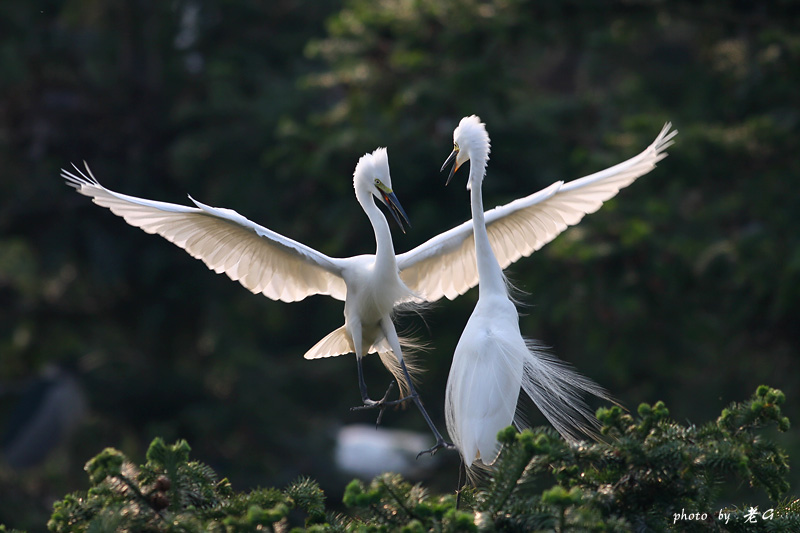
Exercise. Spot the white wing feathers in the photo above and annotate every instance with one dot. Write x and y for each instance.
(260, 259)
(446, 266)
(266, 262)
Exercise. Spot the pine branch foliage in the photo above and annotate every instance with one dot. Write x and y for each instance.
(650, 474)
(171, 493)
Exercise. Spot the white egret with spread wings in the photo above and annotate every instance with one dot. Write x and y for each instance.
(283, 269)
(493, 361)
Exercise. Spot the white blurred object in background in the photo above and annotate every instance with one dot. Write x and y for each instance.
(367, 451)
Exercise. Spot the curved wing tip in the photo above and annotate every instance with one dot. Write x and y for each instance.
(76, 182)
(665, 139)
(201, 205)
(81, 179)
(667, 133)
(72, 181)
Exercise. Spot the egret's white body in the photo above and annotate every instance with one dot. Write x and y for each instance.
(493, 361)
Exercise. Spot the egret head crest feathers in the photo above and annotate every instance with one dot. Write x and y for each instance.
(373, 166)
(470, 143)
(372, 176)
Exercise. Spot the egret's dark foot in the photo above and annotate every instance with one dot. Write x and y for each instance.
(438, 446)
(381, 404)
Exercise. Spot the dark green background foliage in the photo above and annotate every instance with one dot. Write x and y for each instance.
(685, 288)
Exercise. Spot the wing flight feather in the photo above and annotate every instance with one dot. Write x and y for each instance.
(445, 265)
(260, 259)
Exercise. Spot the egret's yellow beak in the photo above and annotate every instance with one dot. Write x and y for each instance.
(451, 159)
(394, 206)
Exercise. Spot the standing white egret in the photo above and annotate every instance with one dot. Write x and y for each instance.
(492, 360)
(283, 269)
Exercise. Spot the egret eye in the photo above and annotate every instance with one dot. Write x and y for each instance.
(377, 181)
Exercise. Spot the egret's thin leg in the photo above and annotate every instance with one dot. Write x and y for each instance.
(383, 403)
(461, 467)
(369, 403)
(394, 342)
(362, 385)
(354, 329)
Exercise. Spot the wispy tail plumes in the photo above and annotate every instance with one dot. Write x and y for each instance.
(558, 391)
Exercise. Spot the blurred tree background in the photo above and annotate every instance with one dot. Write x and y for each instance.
(684, 288)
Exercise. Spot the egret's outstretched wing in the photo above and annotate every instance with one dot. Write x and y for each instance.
(445, 265)
(260, 259)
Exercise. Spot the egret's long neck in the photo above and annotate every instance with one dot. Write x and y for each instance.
(384, 253)
(489, 271)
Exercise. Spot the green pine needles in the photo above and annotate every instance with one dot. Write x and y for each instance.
(171, 493)
(651, 474)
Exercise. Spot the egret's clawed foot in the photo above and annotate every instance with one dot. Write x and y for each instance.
(381, 404)
(441, 443)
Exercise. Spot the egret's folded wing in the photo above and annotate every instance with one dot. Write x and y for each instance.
(260, 259)
(445, 265)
